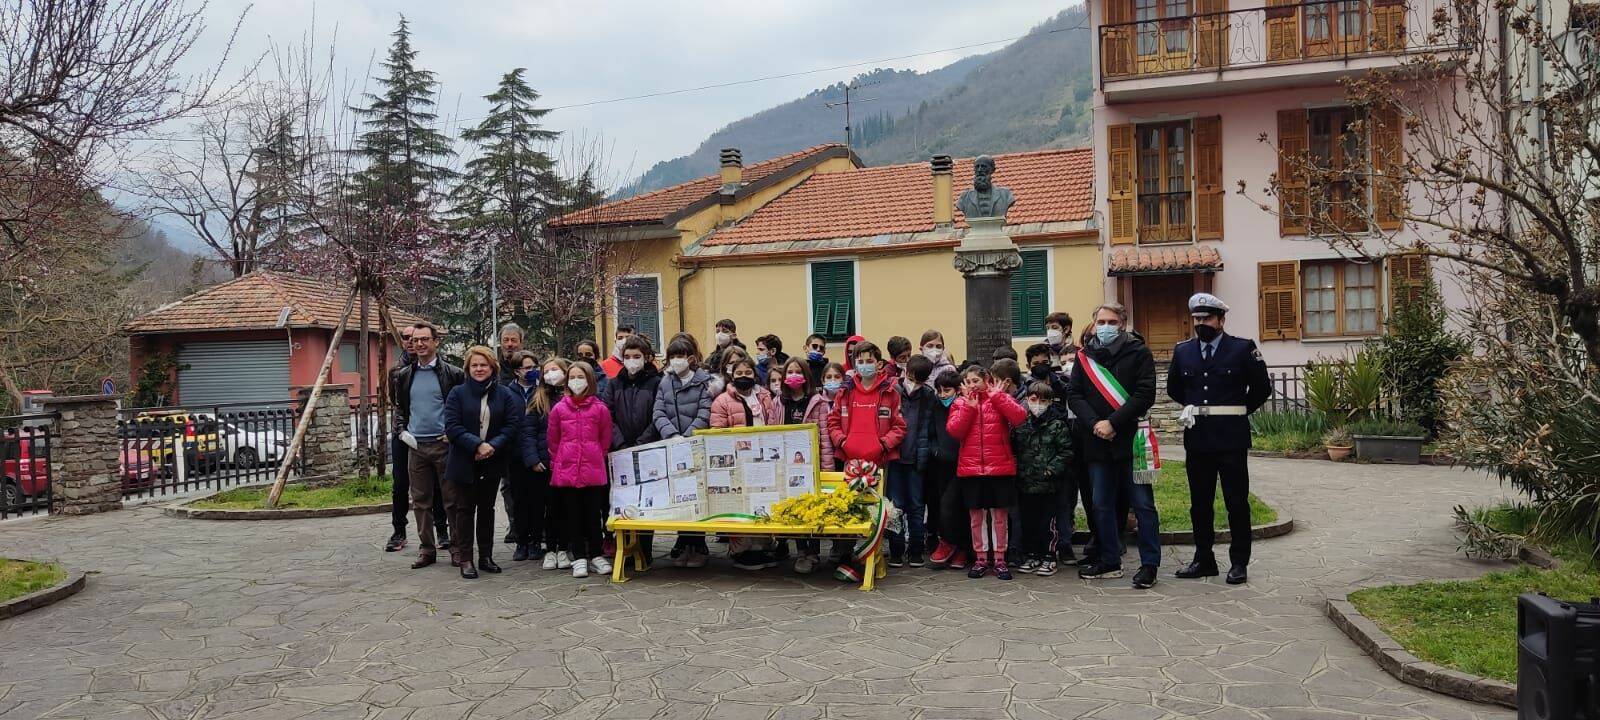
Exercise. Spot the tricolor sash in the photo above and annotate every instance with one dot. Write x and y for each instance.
(1146, 452)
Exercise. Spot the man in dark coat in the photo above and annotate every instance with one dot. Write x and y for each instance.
(418, 392)
(1219, 379)
(1108, 447)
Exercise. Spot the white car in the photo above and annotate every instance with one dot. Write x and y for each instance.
(248, 447)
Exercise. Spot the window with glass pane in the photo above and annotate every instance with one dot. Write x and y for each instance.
(1360, 298)
(347, 358)
(1177, 34)
(1147, 12)
(1316, 21)
(1339, 149)
(1177, 175)
(1150, 176)
(1319, 301)
(1351, 20)
(1164, 183)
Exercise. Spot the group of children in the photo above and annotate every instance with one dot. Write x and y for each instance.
(979, 458)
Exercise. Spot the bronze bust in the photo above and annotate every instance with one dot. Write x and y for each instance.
(985, 199)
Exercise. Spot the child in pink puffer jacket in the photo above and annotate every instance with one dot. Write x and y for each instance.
(579, 436)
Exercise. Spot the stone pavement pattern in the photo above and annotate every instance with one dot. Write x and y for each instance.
(289, 619)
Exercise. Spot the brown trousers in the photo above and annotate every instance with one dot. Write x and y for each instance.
(426, 466)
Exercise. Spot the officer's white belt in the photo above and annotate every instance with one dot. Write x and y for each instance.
(1192, 413)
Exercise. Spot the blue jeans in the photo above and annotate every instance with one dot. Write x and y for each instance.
(1107, 478)
(905, 491)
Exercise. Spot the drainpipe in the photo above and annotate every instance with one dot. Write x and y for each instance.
(683, 280)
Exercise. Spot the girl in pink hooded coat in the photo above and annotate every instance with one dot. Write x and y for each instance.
(579, 436)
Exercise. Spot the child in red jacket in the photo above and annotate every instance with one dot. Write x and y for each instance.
(865, 423)
(981, 420)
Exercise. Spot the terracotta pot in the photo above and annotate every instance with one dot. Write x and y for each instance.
(1337, 453)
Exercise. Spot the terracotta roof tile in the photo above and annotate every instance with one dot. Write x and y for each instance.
(656, 205)
(1181, 258)
(254, 302)
(1050, 186)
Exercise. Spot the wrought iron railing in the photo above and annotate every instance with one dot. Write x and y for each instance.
(1300, 32)
(168, 451)
(25, 443)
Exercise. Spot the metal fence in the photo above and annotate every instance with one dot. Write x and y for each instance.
(25, 442)
(1288, 388)
(176, 450)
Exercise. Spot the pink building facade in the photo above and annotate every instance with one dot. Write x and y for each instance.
(1194, 97)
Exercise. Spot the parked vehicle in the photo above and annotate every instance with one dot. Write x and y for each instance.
(24, 467)
(249, 447)
(195, 433)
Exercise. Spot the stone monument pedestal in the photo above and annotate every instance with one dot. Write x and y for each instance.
(986, 257)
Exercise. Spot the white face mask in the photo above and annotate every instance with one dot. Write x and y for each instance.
(678, 366)
(633, 364)
(617, 349)
(577, 385)
(723, 338)
(1053, 336)
(932, 353)
(1038, 408)
(554, 377)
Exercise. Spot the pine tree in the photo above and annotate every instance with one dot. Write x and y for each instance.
(279, 163)
(398, 142)
(511, 187)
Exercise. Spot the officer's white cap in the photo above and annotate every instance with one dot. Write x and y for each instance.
(1207, 303)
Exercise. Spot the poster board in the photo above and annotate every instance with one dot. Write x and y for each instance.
(725, 472)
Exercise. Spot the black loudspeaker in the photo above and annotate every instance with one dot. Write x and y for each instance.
(1558, 659)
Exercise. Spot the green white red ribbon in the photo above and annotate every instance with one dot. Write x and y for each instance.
(1146, 451)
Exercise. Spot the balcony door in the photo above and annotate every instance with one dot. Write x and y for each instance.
(1335, 27)
(1162, 36)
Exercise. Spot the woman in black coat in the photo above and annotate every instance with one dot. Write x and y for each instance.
(482, 421)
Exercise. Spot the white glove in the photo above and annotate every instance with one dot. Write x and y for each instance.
(409, 439)
(1188, 416)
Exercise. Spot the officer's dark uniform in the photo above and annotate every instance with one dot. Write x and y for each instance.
(1218, 445)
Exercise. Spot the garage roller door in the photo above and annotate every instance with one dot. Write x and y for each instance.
(233, 372)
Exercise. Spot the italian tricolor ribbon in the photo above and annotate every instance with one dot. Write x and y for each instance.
(1146, 452)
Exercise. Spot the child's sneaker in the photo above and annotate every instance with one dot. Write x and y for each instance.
(601, 565)
(754, 560)
(680, 556)
(1030, 566)
(563, 560)
(1046, 568)
(550, 560)
(806, 564)
(1001, 571)
(958, 561)
(942, 554)
(914, 559)
(979, 569)
(896, 561)
(695, 558)
(1067, 558)
(580, 568)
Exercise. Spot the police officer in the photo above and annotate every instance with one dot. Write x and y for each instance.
(1220, 380)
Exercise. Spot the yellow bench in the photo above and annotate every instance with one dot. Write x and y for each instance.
(629, 548)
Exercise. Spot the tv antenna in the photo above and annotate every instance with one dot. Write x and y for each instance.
(848, 88)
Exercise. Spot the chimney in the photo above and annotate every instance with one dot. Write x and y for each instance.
(943, 204)
(732, 170)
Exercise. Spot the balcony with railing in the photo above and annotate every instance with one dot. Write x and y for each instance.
(1152, 49)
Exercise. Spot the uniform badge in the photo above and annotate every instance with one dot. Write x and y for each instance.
(1257, 353)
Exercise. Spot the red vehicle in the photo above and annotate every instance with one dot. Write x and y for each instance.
(25, 470)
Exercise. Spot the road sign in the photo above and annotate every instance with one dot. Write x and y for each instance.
(108, 386)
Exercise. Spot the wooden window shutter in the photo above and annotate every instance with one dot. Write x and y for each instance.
(1116, 56)
(1292, 202)
(1119, 139)
(1283, 30)
(1029, 285)
(1388, 25)
(1408, 274)
(1388, 164)
(1278, 284)
(833, 299)
(1211, 47)
(1208, 177)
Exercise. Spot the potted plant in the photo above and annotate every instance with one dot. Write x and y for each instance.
(1337, 441)
(1388, 440)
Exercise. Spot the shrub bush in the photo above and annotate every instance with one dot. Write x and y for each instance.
(1386, 427)
(1416, 353)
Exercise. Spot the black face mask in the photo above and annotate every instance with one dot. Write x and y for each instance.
(1206, 333)
(1040, 372)
(743, 384)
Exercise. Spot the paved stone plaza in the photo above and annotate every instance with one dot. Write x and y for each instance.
(197, 619)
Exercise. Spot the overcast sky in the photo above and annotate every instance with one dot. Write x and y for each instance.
(580, 52)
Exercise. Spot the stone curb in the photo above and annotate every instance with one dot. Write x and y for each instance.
(290, 514)
(1283, 526)
(1436, 460)
(33, 601)
(1410, 669)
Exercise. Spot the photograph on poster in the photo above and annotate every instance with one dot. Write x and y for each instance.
(654, 494)
(622, 468)
(680, 457)
(685, 489)
(761, 503)
(652, 464)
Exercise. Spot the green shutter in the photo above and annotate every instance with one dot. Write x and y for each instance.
(833, 299)
(1029, 294)
(637, 306)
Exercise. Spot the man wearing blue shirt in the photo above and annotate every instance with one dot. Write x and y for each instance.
(419, 392)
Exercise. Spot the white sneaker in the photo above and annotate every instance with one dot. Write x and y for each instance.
(580, 568)
(550, 559)
(601, 565)
(805, 564)
(563, 560)
(697, 559)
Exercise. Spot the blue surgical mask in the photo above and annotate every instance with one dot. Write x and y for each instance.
(947, 402)
(866, 369)
(832, 386)
(761, 358)
(1106, 333)
(814, 356)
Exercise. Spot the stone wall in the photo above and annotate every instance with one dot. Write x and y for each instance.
(84, 477)
(1164, 415)
(327, 451)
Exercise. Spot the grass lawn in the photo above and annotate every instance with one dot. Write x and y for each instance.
(1172, 502)
(1472, 626)
(351, 491)
(20, 577)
